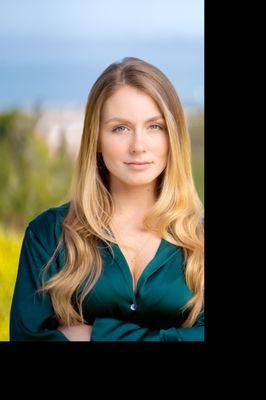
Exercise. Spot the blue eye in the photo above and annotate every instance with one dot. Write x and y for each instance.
(157, 125)
(116, 129)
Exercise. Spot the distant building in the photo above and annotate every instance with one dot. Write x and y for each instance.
(57, 121)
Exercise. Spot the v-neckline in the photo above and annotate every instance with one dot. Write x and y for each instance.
(135, 292)
(165, 251)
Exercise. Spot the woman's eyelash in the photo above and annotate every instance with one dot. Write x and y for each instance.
(157, 125)
(121, 126)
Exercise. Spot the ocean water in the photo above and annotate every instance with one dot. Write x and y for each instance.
(61, 73)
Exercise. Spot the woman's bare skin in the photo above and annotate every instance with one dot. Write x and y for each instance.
(76, 333)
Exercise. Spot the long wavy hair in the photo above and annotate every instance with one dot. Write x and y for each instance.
(178, 209)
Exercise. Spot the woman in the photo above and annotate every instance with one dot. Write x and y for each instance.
(123, 259)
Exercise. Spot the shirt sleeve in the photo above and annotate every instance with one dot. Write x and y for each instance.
(112, 329)
(32, 317)
(194, 334)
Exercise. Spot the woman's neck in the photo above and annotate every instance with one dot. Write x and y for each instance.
(132, 204)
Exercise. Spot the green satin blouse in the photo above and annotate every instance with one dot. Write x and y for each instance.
(115, 312)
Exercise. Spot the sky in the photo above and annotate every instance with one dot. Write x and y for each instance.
(79, 19)
(55, 49)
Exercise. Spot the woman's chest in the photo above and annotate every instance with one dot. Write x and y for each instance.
(159, 298)
(138, 252)
(160, 293)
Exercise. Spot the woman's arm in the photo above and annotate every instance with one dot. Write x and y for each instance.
(81, 333)
(32, 317)
(112, 329)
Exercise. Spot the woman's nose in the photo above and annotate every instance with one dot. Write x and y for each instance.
(137, 142)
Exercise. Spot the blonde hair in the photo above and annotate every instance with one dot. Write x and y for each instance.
(177, 210)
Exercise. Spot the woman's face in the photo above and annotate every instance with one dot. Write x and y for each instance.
(128, 134)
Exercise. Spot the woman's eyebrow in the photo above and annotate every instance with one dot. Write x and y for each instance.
(127, 121)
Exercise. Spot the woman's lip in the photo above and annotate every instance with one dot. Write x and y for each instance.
(138, 163)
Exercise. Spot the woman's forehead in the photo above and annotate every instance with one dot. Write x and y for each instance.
(129, 111)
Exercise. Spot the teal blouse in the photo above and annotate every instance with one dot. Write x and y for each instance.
(115, 312)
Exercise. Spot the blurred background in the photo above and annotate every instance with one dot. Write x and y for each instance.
(50, 55)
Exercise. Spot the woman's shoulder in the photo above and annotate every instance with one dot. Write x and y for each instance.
(49, 218)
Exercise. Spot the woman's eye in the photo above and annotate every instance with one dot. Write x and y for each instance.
(116, 129)
(157, 125)
(120, 128)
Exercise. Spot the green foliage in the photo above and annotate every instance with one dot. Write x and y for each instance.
(32, 178)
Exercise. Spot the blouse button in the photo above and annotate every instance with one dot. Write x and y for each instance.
(133, 307)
